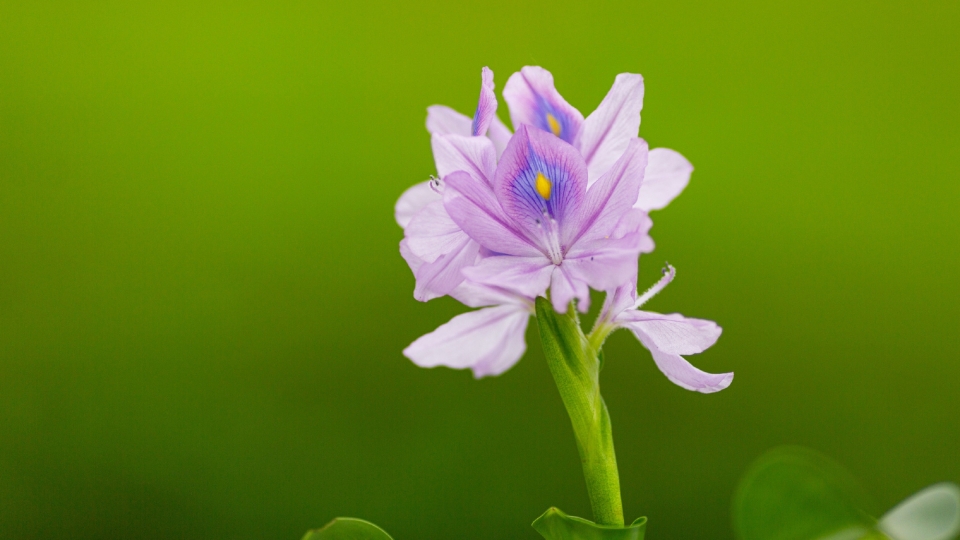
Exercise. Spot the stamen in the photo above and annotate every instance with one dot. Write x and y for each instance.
(436, 185)
(551, 238)
(669, 272)
(554, 124)
(544, 186)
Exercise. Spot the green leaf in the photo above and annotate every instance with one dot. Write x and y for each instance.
(555, 525)
(796, 494)
(348, 529)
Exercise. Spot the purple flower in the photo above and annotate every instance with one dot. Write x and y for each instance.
(543, 226)
(667, 337)
(603, 137)
(439, 248)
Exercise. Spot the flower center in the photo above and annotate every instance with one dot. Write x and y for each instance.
(550, 231)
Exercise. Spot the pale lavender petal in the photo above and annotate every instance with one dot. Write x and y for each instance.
(478, 295)
(431, 233)
(500, 134)
(442, 276)
(665, 344)
(636, 221)
(611, 197)
(685, 375)
(412, 260)
(528, 276)
(486, 105)
(413, 200)
(610, 128)
(672, 333)
(489, 341)
(475, 155)
(667, 174)
(566, 286)
(618, 300)
(474, 208)
(534, 101)
(541, 183)
(605, 263)
(442, 120)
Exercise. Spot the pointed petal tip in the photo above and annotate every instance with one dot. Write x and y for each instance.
(721, 383)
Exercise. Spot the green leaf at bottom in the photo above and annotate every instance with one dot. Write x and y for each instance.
(555, 525)
(348, 529)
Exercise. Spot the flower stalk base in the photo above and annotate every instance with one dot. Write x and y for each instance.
(575, 365)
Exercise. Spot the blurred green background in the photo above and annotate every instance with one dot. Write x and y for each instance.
(202, 305)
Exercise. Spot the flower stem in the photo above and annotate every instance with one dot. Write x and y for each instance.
(575, 366)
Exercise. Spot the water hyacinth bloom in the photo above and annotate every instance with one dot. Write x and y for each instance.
(667, 337)
(545, 227)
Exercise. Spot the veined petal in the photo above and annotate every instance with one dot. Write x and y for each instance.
(500, 134)
(610, 128)
(528, 276)
(636, 221)
(442, 276)
(674, 366)
(431, 233)
(541, 184)
(685, 375)
(475, 155)
(414, 199)
(442, 120)
(534, 101)
(667, 174)
(567, 285)
(611, 197)
(672, 333)
(478, 295)
(605, 263)
(474, 208)
(489, 341)
(486, 105)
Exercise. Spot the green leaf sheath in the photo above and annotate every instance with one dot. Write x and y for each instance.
(575, 367)
(348, 529)
(555, 525)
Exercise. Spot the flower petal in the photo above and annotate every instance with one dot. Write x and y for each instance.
(673, 333)
(475, 155)
(610, 128)
(442, 276)
(489, 341)
(486, 105)
(534, 101)
(528, 276)
(442, 120)
(473, 207)
(931, 514)
(611, 197)
(566, 285)
(605, 263)
(414, 199)
(667, 174)
(431, 233)
(668, 336)
(541, 177)
(685, 375)
(476, 295)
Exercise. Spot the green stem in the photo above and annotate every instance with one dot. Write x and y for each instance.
(575, 366)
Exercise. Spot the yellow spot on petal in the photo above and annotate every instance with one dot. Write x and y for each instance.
(544, 186)
(554, 125)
